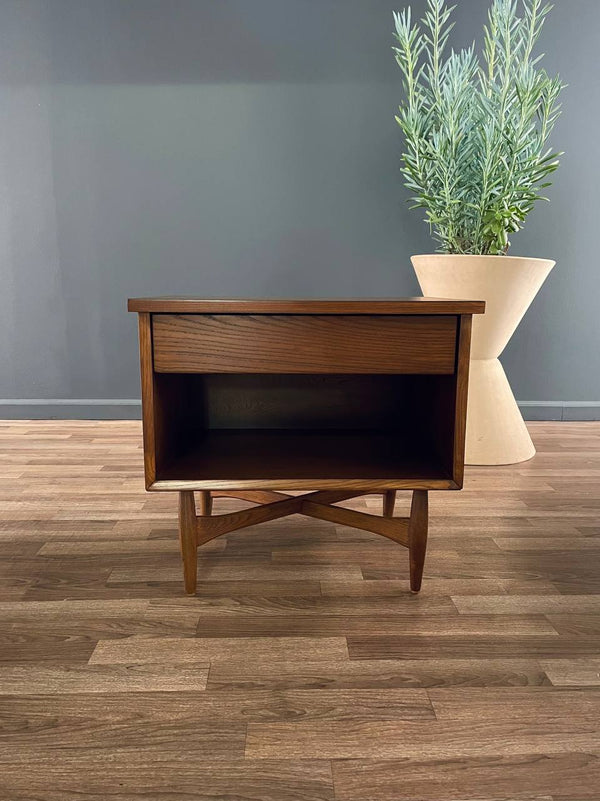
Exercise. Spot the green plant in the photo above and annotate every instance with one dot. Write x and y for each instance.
(475, 133)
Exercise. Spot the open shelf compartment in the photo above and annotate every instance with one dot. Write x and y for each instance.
(303, 431)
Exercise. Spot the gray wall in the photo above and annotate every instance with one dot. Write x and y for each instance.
(245, 148)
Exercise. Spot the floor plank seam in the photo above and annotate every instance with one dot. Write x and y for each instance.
(302, 642)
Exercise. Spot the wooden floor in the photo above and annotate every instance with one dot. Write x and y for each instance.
(304, 670)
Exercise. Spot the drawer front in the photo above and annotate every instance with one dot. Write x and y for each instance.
(240, 343)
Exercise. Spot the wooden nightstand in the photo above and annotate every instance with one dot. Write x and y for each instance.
(341, 398)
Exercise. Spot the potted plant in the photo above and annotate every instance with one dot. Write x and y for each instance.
(476, 160)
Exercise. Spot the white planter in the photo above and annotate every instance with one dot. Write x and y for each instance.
(496, 433)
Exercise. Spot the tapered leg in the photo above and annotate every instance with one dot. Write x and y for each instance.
(417, 537)
(205, 503)
(188, 540)
(389, 501)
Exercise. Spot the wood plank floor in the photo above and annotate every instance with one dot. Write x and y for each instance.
(303, 670)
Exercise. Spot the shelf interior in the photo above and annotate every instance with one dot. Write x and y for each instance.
(301, 427)
(231, 454)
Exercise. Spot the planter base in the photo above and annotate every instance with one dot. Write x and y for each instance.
(496, 432)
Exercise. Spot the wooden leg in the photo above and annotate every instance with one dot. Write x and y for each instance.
(188, 540)
(417, 537)
(205, 503)
(389, 501)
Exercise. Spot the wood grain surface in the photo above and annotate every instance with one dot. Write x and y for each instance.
(244, 343)
(418, 305)
(303, 669)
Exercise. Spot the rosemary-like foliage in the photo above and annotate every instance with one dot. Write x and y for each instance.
(475, 132)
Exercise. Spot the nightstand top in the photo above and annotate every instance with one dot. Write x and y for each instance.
(191, 305)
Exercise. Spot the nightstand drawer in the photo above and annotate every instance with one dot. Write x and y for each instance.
(273, 343)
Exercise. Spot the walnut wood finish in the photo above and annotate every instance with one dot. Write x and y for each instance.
(411, 532)
(303, 646)
(243, 343)
(459, 426)
(188, 539)
(149, 419)
(166, 407)
(417, 305)
(389, 501)
(246, 459)
(417, 537)
(198, 530)
(205, 503)
(245, 398)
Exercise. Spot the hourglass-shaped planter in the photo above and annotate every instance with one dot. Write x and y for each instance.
(496, 432)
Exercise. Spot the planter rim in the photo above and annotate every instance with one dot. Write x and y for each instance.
(444, 256)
